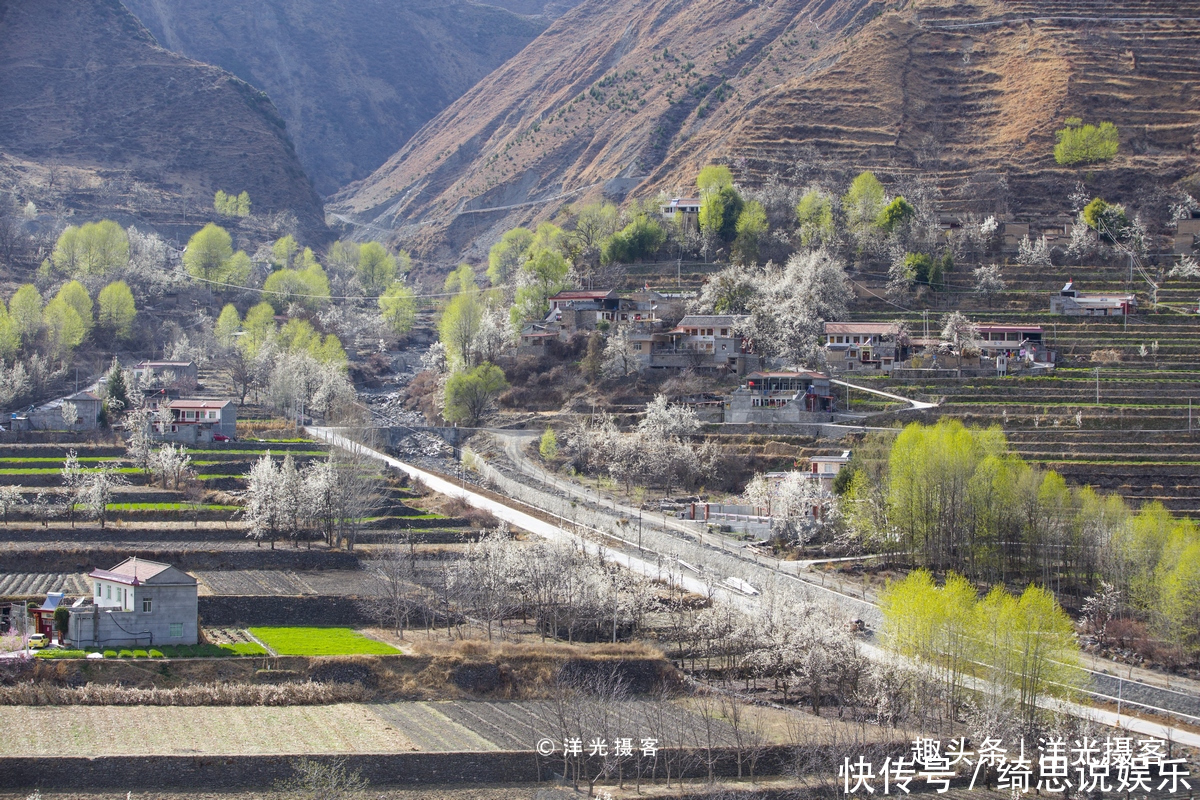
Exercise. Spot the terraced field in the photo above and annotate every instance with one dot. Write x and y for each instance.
(280, 583)
(315, 730)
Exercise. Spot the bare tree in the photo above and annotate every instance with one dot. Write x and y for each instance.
(394, 569)
(10, 498)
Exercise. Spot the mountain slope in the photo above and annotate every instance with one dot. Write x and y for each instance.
(83, 85)
(353, 78)
(649, 93)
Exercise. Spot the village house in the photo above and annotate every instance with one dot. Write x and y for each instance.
(1074, 303)
(42, 617)
(826, 469)
(137, 603)
(177, 374)
(687, 207)
(864, 346)
(585, 310)
(1013, 341)
(49, 417)
(699, 341)
(781, 397)
(196, 420)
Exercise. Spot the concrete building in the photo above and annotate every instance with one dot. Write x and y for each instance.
(137, 603)
(864, 346)
(688, 207)
(49, 417)
(1074, 303)
(178, 374)
(772, 398)
(198, 420)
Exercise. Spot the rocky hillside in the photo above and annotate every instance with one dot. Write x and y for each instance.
(634, 97)
(355, 79)
(98, 117)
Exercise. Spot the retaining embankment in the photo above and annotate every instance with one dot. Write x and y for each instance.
(85, 558)
(232, 772)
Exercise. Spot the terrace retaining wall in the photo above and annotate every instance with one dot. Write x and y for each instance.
(83, 559)
(233, 610)
(128, 773)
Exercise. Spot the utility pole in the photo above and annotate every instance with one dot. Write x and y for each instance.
(1097, 386)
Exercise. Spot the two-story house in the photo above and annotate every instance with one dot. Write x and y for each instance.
(137, 603)
(781, 397)
(197, 420)
(864, 346)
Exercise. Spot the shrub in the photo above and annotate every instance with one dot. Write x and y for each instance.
(156, 654)
(1085, 144)
(1110, 221)
(140, 654)
(125, 654)
(110, 653)
(61, 654)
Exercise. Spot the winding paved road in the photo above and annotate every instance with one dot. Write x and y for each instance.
(756, 572)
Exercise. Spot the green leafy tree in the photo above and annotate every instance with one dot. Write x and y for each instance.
(96, 248)
(308, 287)
(221, 204)
(25, 310)
(642, 238)
(752, 227)
(1108, 220)
(117, 310)
(714, 178)
(228, 324)
(342, 257)
(208, 253)
(243, 204)
(1078, 144)
(470, 395)
(284, 252)
(544, 275)
(548, 445)
(895, 215)
(462, 279)
(64, 329)
(258, 329)
(398, 306)
(863, 202)
(814, 214)
(376, 268)
(77, 297)
(459, 325)
(10, 338)
(508, 255)
(114, 386)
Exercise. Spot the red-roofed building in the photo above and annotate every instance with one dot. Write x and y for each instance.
(137, 603)
(198, 420)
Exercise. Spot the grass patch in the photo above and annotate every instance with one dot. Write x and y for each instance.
(57, 470)
(169, 507)
(296, 641)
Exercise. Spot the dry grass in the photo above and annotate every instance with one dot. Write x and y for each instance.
(307, 693)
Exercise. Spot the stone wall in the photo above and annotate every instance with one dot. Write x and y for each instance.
(229, 610)
(84, 559)
(231, 772)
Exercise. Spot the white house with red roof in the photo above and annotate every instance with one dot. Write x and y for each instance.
(137, 603)
(196, 420)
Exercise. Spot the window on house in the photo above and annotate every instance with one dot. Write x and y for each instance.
(147, 605)
(176, 630)
(637, 346)
(108, 593)
(97, 588)
(724, 331)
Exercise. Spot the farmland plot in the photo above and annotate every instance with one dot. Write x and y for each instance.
(24, 584)
(279, 583)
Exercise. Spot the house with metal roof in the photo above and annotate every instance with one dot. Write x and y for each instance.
(137, 603)
(1074, 303)
(49, 417)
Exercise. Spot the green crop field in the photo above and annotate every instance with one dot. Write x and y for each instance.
(169, 507)
(292, 641)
